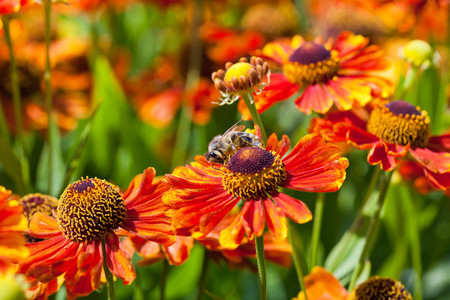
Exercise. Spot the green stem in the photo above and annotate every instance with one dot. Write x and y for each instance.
(409, 82)
(163, 281)
(357, 223)
(318, 214)
(297, 251)
(138, 292)
(371, 233)
(250, 103)
(414, 237)
(23, 157)
(108, 274)
(260, 260)
(48, 91)
(4, 126)
(202, 280)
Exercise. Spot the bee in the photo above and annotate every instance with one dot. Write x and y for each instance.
(222, 147)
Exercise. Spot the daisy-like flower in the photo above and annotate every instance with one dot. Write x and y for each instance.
(340, 72)
(392, 131)
(11, 6)
(202, 195)
(241, 77)
(321, 284)
(89, 209)
(12, 224)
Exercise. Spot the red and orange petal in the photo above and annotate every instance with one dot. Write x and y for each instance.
(276, 250)
(320, 285)
(199, 103)
(12, 224)
(160, 109)
(354, 82)
(199, 202)
(151, 252)
(146, 213)
(41, 291)
(11, 6)
(224, 45)
(80, 263)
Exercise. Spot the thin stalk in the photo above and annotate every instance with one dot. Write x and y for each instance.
(409, 82)
(414, 238)
(358, 220)
(48, 92)
(371, 233)
(4, 126)
(163, 281)
(297, 251)
(23, 157)
(250, 103)
(109, 276)
(318, 214)
(202, 280)
(260, 260)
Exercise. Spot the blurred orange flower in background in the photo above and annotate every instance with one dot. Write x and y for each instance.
(342, 72)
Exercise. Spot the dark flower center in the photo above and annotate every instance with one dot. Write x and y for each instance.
(252, 173)
(34, 203)
(381, 288)
(90, 208)
(311, 63)
(400, 123)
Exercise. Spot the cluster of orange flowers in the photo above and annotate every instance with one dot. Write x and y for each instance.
(223, 200)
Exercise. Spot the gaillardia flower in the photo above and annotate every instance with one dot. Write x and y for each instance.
(88, 210)
(202, 195)
(241, 77)
(391, 131)
(340, 72)
(321, 284)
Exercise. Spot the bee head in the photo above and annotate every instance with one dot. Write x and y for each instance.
(212, 157)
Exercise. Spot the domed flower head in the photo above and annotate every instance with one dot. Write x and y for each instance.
(202, 195)
(339, 72)
(12, 224)
(88, 210)
(241, 77)
(321, 284)
(392, 130)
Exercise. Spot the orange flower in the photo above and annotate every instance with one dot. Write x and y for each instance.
(12, 224)
(392, 131)
(72, 242)
(203, 195)
(339, 72)
(322, 285)
(71, 76)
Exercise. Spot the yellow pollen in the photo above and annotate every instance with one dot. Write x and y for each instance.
(312, 73)
(400, 129)
(252, 173)
(380, 288)
(90, 208)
